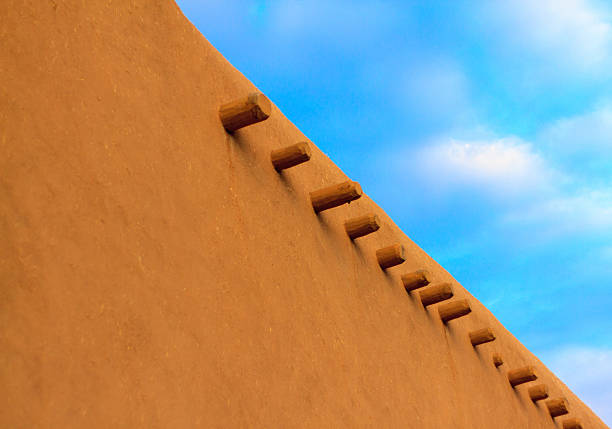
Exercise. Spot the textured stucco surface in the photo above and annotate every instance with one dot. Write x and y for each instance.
(157, 272)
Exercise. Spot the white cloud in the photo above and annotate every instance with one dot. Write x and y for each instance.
(588, 372)
(588, 134)
(585, 210)
(542, 203)
(581, 147)
(573, 34)
(500, 166)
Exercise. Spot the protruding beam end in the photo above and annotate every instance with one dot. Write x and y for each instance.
(335, 195)
(390, 256)
(481, 336)
(454, 309)
(572, 423)
(497, 360)
(521, 375)
(538, 392)
(362, 225)
(290, 156)
(557, 407)
(245, 111)
(415, 280)
(435, 293)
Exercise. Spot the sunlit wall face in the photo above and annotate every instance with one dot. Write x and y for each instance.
(483, 128)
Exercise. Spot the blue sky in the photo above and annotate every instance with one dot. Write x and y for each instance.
(483, 128)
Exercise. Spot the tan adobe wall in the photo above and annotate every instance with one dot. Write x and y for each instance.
(158, 272)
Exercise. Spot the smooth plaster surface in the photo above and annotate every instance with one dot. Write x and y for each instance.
(157, 272)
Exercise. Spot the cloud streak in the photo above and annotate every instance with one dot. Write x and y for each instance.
(582, 143)
(572, 35)
(499, 167)
(588, 211)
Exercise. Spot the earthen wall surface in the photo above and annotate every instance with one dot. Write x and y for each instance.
(156, 271)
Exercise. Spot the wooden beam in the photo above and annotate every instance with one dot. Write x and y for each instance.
(557, 407)
(248, 110)
(335, 195)
(454, 309)
(497, 360)
(481, 336)
(572, 423)
(290, 156)
(435, 293)
(415, 280)
(362, 225)
(538, 392)
(390, 256)
(521, 375)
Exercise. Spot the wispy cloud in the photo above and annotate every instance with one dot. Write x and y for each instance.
(582, 143)
(574, 35)
(588, 372)
(500, 167)
(588, 210)
(580, 147)
(590, 131)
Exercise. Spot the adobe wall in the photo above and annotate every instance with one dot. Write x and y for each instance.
(158, 272)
